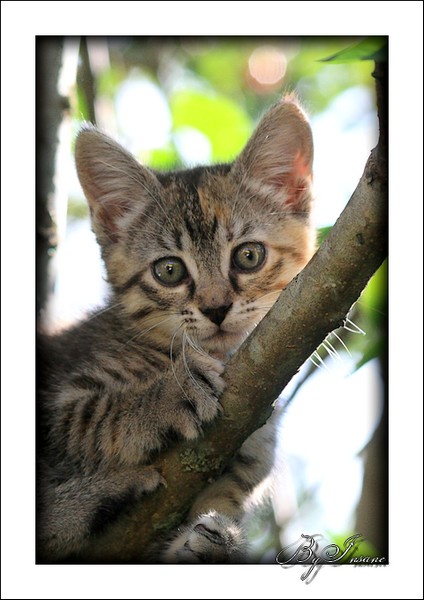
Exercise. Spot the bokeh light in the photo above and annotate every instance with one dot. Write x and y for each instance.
(267, 67)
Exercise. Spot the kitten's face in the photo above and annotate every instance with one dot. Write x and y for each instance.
(205, 263)
(200, 256)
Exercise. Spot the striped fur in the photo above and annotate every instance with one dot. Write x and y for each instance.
(120, 386)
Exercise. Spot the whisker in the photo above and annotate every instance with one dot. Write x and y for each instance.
(331, 350)
(173, 362)
(262, 307)
(352, 327)
(196, 347)
(145, 331)
(320, 362)
(105, 310)
(186, 367)
(341, 341)
(276, 292)
(146, 319)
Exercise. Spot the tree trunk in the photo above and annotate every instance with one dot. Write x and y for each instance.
(49, 110)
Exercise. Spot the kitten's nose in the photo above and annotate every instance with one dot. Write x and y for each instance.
(216, 315)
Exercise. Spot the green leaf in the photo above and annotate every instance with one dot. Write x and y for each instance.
(373, 299)
(220, 119)
(323, 233)
(82, 113)
(373, 350)
(371, 316)
(320, 82)
(371, 48)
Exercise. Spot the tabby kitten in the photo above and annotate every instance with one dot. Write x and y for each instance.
(195, 259)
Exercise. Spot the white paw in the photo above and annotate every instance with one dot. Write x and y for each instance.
(211, 538)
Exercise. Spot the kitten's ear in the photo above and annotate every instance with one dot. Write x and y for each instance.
(115, 184)
(277, 160)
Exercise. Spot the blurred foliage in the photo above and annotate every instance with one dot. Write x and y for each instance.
(77, 210)
(322, 233)
(374, 48)
(371, 317)
(214, 116)
(219, 86)
(212, 92)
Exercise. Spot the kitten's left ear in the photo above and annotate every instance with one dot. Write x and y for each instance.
(114, 183)
(277, 160)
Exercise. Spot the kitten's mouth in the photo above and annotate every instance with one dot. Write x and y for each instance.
(222, 343)
(220, 334)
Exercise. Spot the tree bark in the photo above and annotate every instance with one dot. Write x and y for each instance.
(315, 303)
(49, 109)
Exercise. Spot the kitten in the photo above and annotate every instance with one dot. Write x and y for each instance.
(195, 259)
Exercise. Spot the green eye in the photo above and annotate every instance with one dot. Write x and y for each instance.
(169, 271)
(249, 256)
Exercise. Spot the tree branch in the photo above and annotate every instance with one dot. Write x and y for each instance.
(50, 107)
(313, 304)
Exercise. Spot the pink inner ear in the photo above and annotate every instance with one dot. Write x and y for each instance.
(300, 169)
(295, 193)
(295, 181)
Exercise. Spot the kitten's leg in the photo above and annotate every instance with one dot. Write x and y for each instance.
(126, 423)
(71, 512)
(215, 531)
(124, 428)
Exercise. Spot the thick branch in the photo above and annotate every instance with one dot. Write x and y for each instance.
(315, 303)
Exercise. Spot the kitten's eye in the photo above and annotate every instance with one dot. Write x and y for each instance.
(249, 256)
(169, 271)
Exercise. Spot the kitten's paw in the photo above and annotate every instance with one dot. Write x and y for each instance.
(211, 538)
(200, 387)
(207, 385)
(189, 396)
(148, 479)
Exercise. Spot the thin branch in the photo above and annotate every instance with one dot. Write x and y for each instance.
(315, 303)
